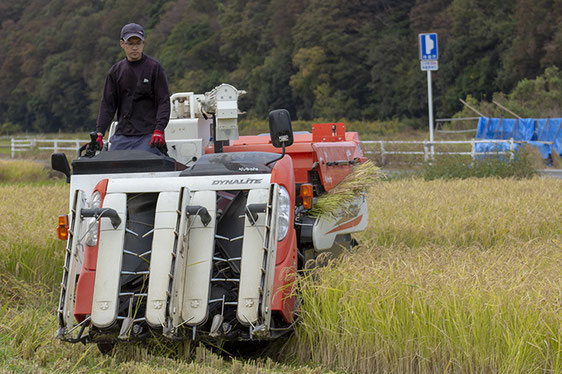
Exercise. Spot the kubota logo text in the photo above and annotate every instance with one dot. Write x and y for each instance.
(237, 181)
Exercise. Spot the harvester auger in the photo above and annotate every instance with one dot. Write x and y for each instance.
(204, 242)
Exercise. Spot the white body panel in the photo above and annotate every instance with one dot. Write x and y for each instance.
(164, 239)
(165, 181)
(108, 268)
(198, 265)
(187, 138)
(272, 218)
(252, 261)
(198, 183)
(75, 258)
(353, 218)
(183, 151)
(87, 182)
(178, 285)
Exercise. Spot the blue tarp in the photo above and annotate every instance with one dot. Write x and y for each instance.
(505, 128)
(523, 129)
(548, 130)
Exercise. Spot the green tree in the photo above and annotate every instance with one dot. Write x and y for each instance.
(478, 36)
(534, 41)
(310, 73)
(318, 58)
(540, 97)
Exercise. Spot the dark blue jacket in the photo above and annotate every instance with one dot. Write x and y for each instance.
(138, 92)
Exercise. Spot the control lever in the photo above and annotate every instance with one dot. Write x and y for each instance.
(90, 147)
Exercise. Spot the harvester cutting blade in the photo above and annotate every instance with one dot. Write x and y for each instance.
(126, 328)
(216, 325)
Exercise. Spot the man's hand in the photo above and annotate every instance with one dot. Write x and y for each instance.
(95, 145)
(100, 140)
(157, 139)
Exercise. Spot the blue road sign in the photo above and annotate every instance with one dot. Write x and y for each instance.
(428, 47)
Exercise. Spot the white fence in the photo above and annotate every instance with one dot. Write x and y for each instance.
(426, 148)
(55, 145)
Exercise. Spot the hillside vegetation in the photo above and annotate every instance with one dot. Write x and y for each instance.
(334, 59)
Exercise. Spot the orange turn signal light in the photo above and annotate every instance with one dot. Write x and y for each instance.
(307, 193)
(62, 229)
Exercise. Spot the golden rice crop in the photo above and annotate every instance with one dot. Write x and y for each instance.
(437, 310)
(29, 247)
(459, 276)
(28, 345)
(22, 171)
(453, 276)
(472, 212)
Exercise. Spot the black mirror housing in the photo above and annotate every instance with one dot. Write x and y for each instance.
(280, 128)
(59, 162)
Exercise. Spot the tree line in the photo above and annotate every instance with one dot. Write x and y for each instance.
(320, 59)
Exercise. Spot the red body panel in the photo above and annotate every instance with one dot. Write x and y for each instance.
(86, 280)
(327, 143)
(330, 158)
(286, 260)
(283, 299)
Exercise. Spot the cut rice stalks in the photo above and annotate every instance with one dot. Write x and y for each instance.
(354, 184)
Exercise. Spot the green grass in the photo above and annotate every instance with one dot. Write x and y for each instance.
(391, 129)
(17, 171)
(519, 165)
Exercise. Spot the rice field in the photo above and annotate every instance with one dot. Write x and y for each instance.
(450, 277)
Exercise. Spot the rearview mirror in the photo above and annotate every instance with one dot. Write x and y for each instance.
(280, 128)
(60, 163)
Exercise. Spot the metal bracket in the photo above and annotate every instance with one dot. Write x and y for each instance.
(252, 211)
(201, 211)
(102, 212)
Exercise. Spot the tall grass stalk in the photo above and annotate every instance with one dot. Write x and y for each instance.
(453, 276)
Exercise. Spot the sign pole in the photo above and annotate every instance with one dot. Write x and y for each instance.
(430, 106)
(429, 55)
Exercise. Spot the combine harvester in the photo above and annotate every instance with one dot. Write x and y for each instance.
(205, 243)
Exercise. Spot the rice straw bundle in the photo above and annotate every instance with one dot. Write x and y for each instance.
(354, 184)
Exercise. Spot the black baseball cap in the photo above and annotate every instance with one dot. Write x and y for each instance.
(132, 29)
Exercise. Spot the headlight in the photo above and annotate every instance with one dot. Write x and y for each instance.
(283, 212)
(92, 224)
(96, 200)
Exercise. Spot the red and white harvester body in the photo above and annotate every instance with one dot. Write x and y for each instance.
(205, 242)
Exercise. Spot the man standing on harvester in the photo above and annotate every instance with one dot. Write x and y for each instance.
(137, 89)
